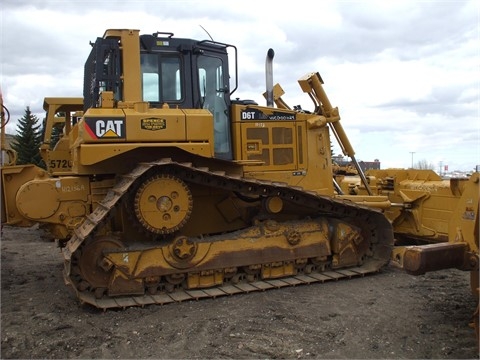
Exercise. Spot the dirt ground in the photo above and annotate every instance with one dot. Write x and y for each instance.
(386, 315)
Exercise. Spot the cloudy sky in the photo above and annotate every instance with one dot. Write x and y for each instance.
(405, 74)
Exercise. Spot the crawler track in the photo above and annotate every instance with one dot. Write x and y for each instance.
(231, 289)
(374, 222)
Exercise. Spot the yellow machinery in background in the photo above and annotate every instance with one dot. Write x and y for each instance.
(435, 220)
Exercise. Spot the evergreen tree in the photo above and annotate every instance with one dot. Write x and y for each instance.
(56, 134)
(28, 139)
(57, 131)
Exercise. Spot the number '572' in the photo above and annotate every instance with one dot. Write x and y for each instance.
(60, 164)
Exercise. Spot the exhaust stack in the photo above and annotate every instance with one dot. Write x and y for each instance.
(269, 76)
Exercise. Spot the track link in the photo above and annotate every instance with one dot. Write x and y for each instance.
(180, 295)
(379, 226)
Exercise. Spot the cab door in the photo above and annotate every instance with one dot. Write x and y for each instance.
(214, 96)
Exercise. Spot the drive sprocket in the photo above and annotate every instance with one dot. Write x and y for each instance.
(163, 204)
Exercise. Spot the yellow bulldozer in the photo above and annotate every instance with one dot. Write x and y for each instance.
(164, 188)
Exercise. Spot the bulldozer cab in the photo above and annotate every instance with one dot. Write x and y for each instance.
(174, 72)
(61, 115)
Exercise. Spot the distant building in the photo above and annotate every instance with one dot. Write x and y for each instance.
(340, 160)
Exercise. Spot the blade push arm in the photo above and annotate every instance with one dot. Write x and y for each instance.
(312, 85)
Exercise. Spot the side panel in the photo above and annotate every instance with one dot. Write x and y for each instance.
(464, 224)
(59, 160)
(282, 145)
(103, 125)
(273, 143)
(13, 177)
(107, 136)
(147, 125)
(156, 125)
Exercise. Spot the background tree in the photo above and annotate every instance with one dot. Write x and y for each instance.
(424, 165)
(28, 139)
(57, 131)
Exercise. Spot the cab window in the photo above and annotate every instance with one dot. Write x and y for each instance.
(161, 79)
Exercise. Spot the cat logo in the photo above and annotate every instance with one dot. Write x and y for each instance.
(105, 128)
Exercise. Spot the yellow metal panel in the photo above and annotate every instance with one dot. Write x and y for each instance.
(90, 154)
(199, 126)
(302, 144)
(130, 43)
(274, 143)
(155, 125)
(101, 125)
(285, 176)
(13, 177)
(63, 104)
(237, 144)
(59, 162)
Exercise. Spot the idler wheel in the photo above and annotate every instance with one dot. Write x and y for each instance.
(92, 265)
